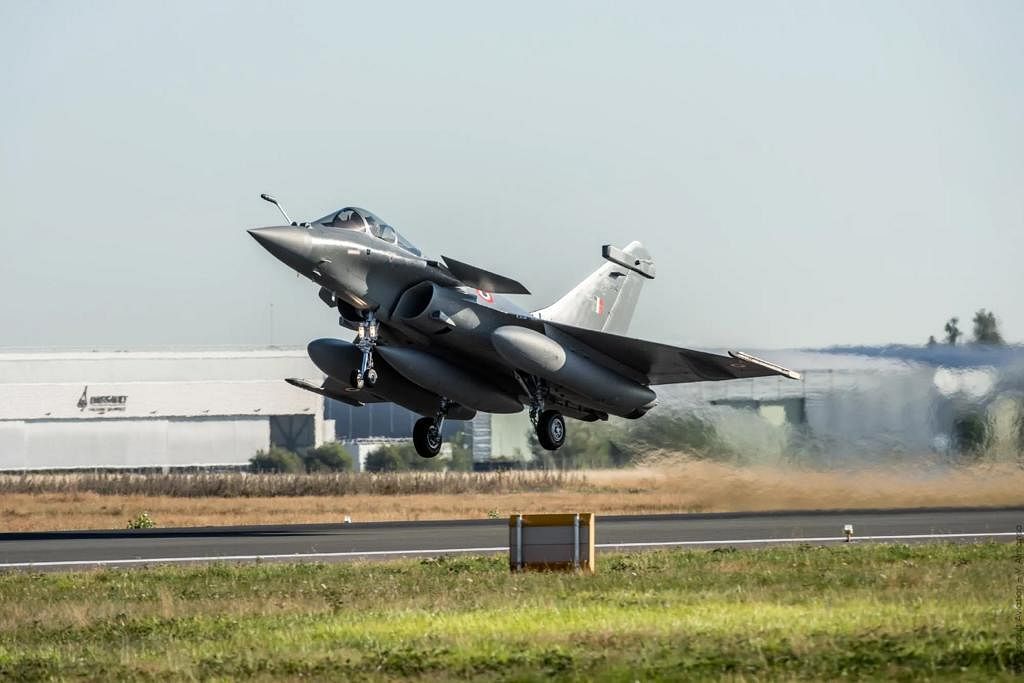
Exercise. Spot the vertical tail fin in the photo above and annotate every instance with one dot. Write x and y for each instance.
(606, 299)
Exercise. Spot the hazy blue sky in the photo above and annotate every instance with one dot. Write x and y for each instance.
(804, 173)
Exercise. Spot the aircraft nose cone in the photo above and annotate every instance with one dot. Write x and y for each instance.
(290, 243)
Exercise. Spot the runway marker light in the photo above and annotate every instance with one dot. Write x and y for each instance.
(848, 531)
(348, 519)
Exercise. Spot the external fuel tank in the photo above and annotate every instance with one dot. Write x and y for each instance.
(536, 354)
(446, 379)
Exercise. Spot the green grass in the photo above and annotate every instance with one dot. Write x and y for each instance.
(860, 611)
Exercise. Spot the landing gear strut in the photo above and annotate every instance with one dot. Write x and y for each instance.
(549, 424)
(366, 339)
(426, 433)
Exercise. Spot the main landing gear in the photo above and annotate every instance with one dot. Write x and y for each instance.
(426, 433)
(549, 424)
(366, 339)
(550, 428)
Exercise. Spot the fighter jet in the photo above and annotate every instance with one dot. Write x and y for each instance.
(437, 337)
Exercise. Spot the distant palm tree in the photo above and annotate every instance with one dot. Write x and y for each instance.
(953, 331)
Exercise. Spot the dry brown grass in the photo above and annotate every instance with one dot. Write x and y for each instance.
(248, 485)
(715, 487)
(688, 486)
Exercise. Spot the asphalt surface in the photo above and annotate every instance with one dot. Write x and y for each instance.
(68, 550)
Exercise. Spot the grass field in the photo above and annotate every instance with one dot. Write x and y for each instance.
(45, 502)
(857, 611)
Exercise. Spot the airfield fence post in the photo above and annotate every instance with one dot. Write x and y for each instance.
(576, 541)
(519, 542)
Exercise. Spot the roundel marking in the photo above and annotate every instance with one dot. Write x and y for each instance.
(486, 296)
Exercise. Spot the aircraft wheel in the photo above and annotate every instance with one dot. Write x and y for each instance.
(551, 430)
(426, 437)
(356, 380)
(371, 377)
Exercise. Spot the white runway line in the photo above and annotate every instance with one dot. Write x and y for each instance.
(449, 551)
(819, 539)
(253, 558)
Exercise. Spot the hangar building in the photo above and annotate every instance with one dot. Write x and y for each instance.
(144, 409)
(863, 403)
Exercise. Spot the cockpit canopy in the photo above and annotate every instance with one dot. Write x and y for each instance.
(353, 218)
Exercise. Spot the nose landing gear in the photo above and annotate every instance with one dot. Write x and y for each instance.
(366, 339)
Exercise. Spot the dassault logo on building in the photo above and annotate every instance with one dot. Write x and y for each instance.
(102, 404)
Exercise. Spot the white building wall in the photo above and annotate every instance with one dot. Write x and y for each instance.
(12, 444)
(150, 409)
(178, 442)
(215, 441)
(93, 443)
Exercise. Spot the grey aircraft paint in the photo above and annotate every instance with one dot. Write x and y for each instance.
(437, 338)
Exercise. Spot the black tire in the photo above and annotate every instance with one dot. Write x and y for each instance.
(371, 377)
(356, 380)
(426, 437)
(551, 430)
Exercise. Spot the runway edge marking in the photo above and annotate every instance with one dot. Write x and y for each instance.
(443, 551)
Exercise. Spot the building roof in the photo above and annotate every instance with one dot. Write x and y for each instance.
(27, 367)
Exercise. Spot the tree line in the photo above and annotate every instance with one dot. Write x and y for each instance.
(332, 457)
(986, 330)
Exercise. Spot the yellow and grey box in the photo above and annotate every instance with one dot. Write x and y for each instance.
(551, 542)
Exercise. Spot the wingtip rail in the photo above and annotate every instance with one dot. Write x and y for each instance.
(785, 372)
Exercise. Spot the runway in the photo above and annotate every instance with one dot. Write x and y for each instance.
(70, 550)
